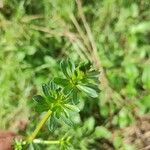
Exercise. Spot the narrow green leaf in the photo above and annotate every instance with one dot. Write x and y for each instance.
(61, 81)
(41, 108)
(68, 121)
(58, 110)
(39, 99)
(95, 87)
(41, 103)
(71, 65)
(68, 89)
(66, 113)
(63, 66)
(72, 107)
(93, 73)
(75, 99)
(91, 92)
(45, 90)
(52, 123)
(52, 85)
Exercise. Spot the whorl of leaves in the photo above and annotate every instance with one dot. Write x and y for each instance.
(61, 95)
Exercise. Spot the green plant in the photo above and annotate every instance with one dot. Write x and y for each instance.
(61, 97)
(112, 33)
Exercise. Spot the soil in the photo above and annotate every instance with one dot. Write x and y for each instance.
(139, 134)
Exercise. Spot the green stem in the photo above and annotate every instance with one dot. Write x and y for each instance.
(39, 126)
(38, 141)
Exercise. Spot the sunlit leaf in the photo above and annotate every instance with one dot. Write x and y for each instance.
(63, 66)
(72, 107)
(91, 92)
(45, 90)
(75, 99)
(68, 121)
(71, 65)
(52, 123)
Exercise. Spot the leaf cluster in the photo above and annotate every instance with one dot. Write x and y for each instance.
(61, 95)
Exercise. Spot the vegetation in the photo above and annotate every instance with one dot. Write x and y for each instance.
(112, 34)
(59, 100)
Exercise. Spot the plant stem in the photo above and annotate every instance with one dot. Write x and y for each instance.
(38, 141)
(39, 126)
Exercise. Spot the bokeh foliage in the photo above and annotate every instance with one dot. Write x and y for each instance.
(114, 34)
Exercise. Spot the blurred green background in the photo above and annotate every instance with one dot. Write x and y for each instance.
(115, 34)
